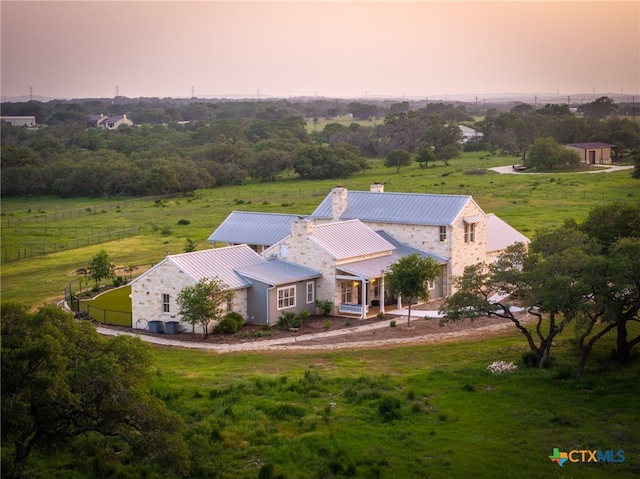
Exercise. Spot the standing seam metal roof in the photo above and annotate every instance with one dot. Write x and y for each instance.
(406, 208)
(218, 262)
(349, 239)
(277, 272)
(253, 228)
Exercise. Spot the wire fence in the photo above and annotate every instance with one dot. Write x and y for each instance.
(65, 244)
(85, 310)
(44, 217)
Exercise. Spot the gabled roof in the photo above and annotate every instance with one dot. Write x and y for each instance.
(592, 144)
(264, 229)
(276, 272)
(500, 234)
(406, 208)
(216, 262)
(372, 268)
(349, 239)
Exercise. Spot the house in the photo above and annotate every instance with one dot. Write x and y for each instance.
(352, 272)
(96, 121)
(109, 122)
(262, 288)
(452, 227)
(19, 120)
(594, 153)
(469, 134)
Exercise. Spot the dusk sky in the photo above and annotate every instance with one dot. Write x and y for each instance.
(327, 48)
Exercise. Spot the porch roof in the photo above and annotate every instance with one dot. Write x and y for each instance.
(277, 272)
(375, 267)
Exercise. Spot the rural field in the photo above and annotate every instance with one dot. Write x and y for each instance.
(431, 411)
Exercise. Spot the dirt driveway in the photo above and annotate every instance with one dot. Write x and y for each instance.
(318, 334)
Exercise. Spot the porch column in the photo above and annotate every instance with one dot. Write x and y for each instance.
(363, 297)
(399, 302)
(381, 295)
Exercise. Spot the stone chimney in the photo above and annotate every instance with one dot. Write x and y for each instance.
(338, 202)
(301, 227)
(377, 187)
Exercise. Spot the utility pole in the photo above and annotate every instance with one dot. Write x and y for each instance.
(30, 93)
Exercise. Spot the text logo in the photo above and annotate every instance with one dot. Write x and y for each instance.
(581, 455)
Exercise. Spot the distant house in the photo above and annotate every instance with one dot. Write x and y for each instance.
(109, 122)
(262, 288)
(95, 121)
(469, 134)
(19, 120)
(594, 153)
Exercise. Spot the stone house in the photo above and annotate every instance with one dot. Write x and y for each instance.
(261, 288)
(353, 271)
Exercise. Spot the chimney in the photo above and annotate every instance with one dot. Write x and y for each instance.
(338, 202)
(301, 227)
(377, 187)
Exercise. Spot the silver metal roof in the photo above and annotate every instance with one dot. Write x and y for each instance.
(218, 262)
(376, 267)
(349, 239)
(406, 208)
(264, 229)
(276, 272)
(500, 234)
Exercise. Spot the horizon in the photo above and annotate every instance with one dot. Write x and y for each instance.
(339, 50)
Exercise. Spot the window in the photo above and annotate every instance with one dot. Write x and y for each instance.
(165, 303)
(310, 292)
(443, 234)
(286, 297)
(469, 232)
(346, 290)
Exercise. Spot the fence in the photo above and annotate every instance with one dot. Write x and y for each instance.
(62, 245)
(43, 217)
(106, 316)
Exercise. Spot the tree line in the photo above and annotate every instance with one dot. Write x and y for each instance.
(227, 144)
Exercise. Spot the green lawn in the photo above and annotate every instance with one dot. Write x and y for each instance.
(422, 411)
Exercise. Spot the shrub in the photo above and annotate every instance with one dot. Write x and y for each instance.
(285, 321)
(184, 222)
(235, 316)
(166, 230)
(226, 326)
(380, 315)
(325, 307)
(393, 323)
(327, 323)
(389, 409)
(303, 315)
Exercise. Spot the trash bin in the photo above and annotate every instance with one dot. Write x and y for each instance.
(156, 327)
(171, 327)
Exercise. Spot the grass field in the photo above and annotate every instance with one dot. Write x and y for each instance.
(430, 411)
(527, 202)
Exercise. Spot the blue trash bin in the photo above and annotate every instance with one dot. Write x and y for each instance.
(171, 327)
(156, 327)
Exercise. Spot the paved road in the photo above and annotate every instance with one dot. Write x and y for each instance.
(508, 170)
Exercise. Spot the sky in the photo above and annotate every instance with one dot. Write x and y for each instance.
(344, 49)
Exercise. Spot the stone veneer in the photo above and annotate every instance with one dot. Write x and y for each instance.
(166, 278)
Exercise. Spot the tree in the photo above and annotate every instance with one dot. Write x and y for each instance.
(546, 154)
(544, 281)
(64, 384)
(101, 267)
(425, 156)
(408, 277)
(599, 108)
(397, 159)
(203, 302)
